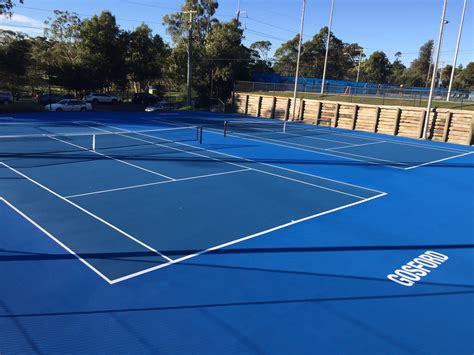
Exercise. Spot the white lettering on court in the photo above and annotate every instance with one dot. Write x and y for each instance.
(413, 271)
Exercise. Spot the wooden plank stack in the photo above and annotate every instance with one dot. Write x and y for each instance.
(453, 126)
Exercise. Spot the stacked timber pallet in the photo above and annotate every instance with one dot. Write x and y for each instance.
(453, 126)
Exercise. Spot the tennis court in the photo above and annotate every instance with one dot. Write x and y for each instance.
(210, 233)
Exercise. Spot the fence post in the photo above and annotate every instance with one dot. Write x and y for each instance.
(288, 108)
(376, 120)
(354, 116)
(318, 112)
(272, 115)
(259, 106)
(397, 121)
(423, 117)
(246, 104)
(446, 127)
(301, 109)
(336, 114)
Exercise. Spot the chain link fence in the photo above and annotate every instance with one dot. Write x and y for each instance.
(362, 93)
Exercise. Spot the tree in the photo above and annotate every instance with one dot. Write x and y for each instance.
(341, 58)
(259, 62)
(6, 7)
(227, 58)
(14, 59)
(63, 32)
(262, 48)
(286, 55)
(102, 48)
(465, 79)
(420, 67)
(446, 75)
(145, 57)
(398, 76)
(377, 68)
(177, 24)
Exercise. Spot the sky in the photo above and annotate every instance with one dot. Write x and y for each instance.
(388, 25)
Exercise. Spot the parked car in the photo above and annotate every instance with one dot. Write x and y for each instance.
(6, 97)
(99, 98)
(51, 98)
(144, 98)
(69, 105)
(161, 106)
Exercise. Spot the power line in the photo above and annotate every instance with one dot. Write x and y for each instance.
(86, 15)
(270, 25)
(266, 35)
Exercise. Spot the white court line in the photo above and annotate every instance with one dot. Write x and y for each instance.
(120, 279)
(295, 135)
(215, 131)
(158, 183)
(33, 123)
(388, 139)
(437, 161)
(112, 158)
(316, 150)
(243, 166)
(292, 146)
(356, 145)
(56, 240)
(86, 211)
(288, 145)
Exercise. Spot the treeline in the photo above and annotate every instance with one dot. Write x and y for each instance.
(96, 54)
(81, 55)
(343, 64)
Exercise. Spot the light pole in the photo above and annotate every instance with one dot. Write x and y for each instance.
(298, 61)
(435, 69)
(361, 50)
(327, 47)
(457, 50)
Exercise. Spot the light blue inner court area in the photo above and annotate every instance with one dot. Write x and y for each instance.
(86, 239)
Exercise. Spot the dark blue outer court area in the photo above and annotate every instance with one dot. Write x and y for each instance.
(315, 287)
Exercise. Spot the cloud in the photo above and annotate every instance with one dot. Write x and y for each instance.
(21, 23)
(18, 19)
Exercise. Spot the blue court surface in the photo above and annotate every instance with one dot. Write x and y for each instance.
(124, 233)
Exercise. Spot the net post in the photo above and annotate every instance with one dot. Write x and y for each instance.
(225, 128)
(200, 135)
(93, 142)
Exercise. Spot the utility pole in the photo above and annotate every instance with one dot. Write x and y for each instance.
(457, 50)
(298, 61)
(435, 69)
(238, 10)
(189, 79)
(327, 47)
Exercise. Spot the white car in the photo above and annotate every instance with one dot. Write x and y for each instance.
(97, 98)
(161, 106)
(69, 105)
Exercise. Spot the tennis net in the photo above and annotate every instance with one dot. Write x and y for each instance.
(13, 145)
(296, 128)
